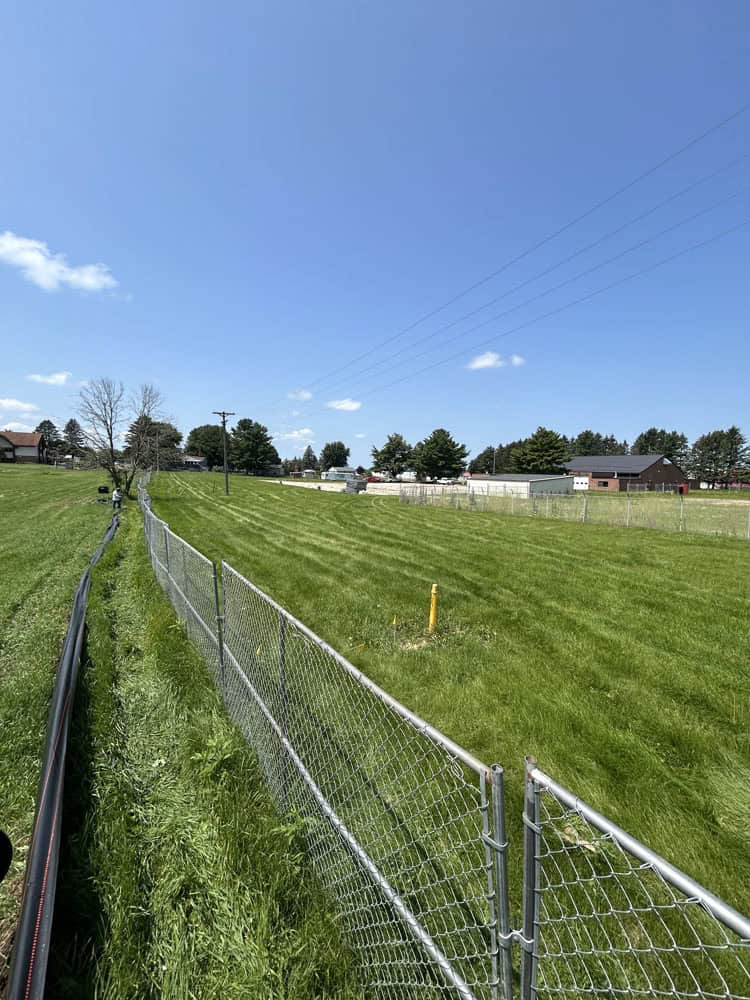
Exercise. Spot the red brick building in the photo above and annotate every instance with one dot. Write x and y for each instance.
(619, 473)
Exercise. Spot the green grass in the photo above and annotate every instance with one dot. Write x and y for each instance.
(618, 658)
(49, 528)
(180, 879)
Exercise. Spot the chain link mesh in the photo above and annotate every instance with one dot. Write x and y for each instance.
(612, 924)
(726, 517)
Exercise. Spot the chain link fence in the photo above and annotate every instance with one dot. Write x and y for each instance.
(406, 830)
(725, 517)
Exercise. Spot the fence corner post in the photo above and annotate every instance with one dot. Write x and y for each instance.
(219, 633)
(504, 933)
(531, 884)
(282, 708)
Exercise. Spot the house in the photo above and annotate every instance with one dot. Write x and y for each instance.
(27, 448)
(309, 474)
(620, 473)
(519, 484)
(197, 462)
(339, 472)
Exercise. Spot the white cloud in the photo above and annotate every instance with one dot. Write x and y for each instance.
(516, 360)
(302, 436)
(360, 435)
(14, 425)
(58, 378)
(50, 271)
(487, 360)
(301, 395)
(294, 413)
(344, 404)
(16, 406)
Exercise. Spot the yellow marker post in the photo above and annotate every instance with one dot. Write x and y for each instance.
(433, 608)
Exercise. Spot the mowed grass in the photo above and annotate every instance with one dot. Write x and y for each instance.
(619, 658)
(49, 528)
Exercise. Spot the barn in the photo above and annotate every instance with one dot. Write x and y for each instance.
(519, 484)
(26, 448)
(618, 473)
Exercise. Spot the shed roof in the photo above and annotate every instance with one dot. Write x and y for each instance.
(23, 439)
(613, 463)
(521, 477)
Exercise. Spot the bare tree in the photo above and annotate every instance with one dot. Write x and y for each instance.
(105, 411)
(102, 413)
(145, 411)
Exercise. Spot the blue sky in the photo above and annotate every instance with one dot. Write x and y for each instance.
(234, 200)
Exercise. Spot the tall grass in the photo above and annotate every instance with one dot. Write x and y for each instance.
(617, 657)
(179, 878)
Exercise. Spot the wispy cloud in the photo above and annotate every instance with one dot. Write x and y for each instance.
(344, 404)
(491, 359)
(360, 435)
(17, 406)
(302, 436)
(57, 378)
(50, 271)
(14, 425)
(301, 395)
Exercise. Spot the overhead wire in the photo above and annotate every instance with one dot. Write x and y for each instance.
(540, 243)
(568, 305)
(548, 270)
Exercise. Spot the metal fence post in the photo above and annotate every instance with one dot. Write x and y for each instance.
(585, 504)
(748, 524)
(166, 550)
(505, 935)
(282, 706)
(219, 632)
(627, 515)
(493, 901)
(531, 885)
(682, 513)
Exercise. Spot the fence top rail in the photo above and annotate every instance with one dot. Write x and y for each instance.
(466, 758)
(724, 913)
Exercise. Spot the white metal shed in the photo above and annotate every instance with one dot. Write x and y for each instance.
(519, 485)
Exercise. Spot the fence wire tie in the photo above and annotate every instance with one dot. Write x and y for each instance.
(531, 824)
(491, 842)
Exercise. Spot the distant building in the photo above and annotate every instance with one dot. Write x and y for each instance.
(519, 485)
(620, 473)
(340, 472)
(309, 474)
(23, 448)
(197, 462)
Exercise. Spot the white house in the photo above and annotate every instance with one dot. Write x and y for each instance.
(339, 472)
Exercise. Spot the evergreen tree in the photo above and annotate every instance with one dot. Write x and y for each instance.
(658, 441)
(588, 443)
(73, 438)
(483, 461)
(309, 459)
(544, 451)
(708, 457)
(334, 453)
(394, 457)
(51, 434)
(439, 455)
(252, 449)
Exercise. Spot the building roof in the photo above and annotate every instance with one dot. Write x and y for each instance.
(193, 458)
(612, 463)
(342, 468)
(520, 477)
(23, 439)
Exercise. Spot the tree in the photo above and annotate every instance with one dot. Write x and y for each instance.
(394, 457)
(658, 441)
(588, 443)
(483, 461)
(73, 437)
(206, 441)
(102, 410)
(140, 439)
(161, 444)
(543, 452)
(334, 453)
(309, 459)
(708, 457)
(611, 446)
(439, 455)
(51, 437)
(736, 454)
(252, 449)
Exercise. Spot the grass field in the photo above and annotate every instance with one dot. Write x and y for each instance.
(49, 528)
(178, 878)
(618, 657)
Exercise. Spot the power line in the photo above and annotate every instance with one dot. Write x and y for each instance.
(568, 305)
(565, 260)
(536, 246)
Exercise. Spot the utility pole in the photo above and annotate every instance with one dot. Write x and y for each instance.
(224, 414)
(157, 449)
(494, 458)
